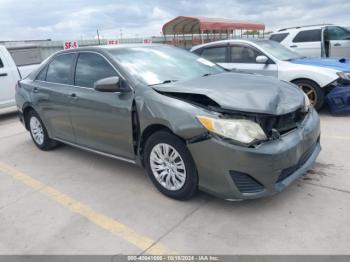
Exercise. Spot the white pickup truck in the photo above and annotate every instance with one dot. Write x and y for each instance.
(9, 75)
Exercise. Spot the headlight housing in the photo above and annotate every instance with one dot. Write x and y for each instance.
(344, 75)
(241, 130)
(307, 103)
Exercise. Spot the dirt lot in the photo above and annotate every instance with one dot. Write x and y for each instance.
(69, 201)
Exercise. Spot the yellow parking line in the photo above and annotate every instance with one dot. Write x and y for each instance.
(336, 137)
(98, 219)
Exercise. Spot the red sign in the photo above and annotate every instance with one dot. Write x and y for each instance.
(70, 44)
(147, 41)
(112, 42)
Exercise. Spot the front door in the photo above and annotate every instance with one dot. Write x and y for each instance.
(101, 120)
(243, 58)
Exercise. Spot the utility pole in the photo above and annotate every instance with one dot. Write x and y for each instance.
(98, 37)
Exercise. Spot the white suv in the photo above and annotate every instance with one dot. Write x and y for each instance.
(316, 40)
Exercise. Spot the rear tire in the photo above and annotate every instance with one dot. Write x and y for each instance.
(313, 91)
(170, 166)
(39, 133)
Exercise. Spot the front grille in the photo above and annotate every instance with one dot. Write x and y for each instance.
(245, 183)
(290, 170)
(281, 123)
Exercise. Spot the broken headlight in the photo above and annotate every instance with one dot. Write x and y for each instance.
(307, 103)
(241, 130)
(343, 75)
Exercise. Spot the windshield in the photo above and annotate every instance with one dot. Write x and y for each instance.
(279, 51)
(160, 64)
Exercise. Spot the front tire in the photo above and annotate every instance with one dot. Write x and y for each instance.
(170, 166)
(39, 133)
(313, 91)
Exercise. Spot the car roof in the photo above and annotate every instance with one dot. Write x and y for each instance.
(300, 28)
(227, 41)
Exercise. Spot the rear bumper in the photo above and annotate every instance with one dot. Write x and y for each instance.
(233, 172)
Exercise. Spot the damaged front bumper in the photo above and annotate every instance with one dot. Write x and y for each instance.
(234, 172)
(338, 99)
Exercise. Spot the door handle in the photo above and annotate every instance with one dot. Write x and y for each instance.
(35, 90)
(337, 44)
(292, 46)
(3, 74)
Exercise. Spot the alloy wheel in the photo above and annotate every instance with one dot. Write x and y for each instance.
(310, 92)
(37, 130)
(168, 166)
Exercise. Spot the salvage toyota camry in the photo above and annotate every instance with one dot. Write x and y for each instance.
(190, 123)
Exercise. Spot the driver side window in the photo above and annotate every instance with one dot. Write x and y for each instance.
(244, 54)
(90, 68)
(337, 33)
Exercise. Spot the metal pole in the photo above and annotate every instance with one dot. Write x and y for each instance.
(98, 37)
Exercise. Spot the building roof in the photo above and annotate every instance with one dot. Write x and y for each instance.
(196, 25)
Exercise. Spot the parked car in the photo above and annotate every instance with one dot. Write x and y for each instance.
(9, 75)
(190, 123)
(315, 76)
(316, 41)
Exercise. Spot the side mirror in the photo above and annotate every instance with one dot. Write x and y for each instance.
(109, 84)
(261, 59)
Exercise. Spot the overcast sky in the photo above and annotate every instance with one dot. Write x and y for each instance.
(63, 20)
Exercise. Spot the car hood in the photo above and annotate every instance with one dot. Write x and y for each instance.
(342, 65)
(241, 92)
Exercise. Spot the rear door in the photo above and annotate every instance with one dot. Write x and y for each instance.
(243, 57)
(101, 121)
(307, 43)
(51, 96)
(339, 41)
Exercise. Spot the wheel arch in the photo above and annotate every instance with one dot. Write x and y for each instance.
(304, 78)
(26, 109)
(147, 132)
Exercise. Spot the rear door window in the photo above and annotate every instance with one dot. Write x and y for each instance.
(279, 37)
(215, 54)
(90, 68)
(60, 69)
(244, 54)
(308, 36)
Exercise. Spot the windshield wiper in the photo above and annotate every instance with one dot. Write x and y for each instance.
(164, 82)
